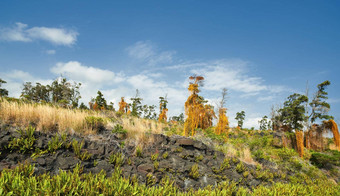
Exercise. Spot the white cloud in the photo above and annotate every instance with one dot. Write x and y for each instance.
(77, 71)
(21, 32)
(15, 80)
(230, 75)
(15, 33)
(147, 52)
(51, 52)
(251, 122)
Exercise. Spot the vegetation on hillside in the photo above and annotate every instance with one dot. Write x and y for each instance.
(288, 153)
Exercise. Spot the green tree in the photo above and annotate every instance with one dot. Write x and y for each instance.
(319, 105)
(60, 92)
(240, 116)
(179, 118)
(149, 112)
(264, 123)
(136, 105)
(100, 101)
(65, 93)
(293, 111)
(3, 92)
(83, 106)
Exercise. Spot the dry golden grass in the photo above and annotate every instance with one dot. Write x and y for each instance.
(140, 129)
(246, 157)
(45, 117)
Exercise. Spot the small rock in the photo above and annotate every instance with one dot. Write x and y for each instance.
(185, 142)
(145, 168)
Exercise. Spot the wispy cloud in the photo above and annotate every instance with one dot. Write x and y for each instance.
(21, 32)
(147, 52)
(50, 52)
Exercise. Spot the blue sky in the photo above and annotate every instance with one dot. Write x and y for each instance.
(261, 51)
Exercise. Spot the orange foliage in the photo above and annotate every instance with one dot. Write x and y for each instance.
(307, 137)
(299, 142)
(123, 106)
(163, 115)
(95, 106)
(331, 124)
(314, 138)
(223, 123)
(199, 115)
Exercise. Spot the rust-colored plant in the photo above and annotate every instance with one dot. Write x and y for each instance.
(199, 114)
(123, 106)
(299, 142)
(162, 109)
(331, 124)
(223, 123)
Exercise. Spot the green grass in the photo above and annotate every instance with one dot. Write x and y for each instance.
(21, 181)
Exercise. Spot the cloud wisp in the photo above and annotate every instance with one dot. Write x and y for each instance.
(147, 52)
(21, 33)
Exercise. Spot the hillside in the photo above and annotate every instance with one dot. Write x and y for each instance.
(84, 151)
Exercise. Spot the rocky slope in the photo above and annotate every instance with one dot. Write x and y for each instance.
(190, 163)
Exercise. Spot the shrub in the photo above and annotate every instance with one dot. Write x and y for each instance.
(116, 159)
(165, 155)
(194, 173)
(139, 151)
(199, 158)
(95, 122)
(25, 142)
(154, 157)
(240, 167)
(54, 144)
(286, 153)
(77, 147)
(323, 160)
(119, 129)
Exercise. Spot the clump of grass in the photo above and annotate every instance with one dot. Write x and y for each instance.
(119, 129)
(54, 144)
(154, 157)
(240, 167)
(25, 142)
(179, 149)
(194, 173)
(95, 122)
(156, 165)
(198, 158)
(77, 147)
(150, 179)
(116, 159)
(165, 155)
(139, 151)
(225, 164)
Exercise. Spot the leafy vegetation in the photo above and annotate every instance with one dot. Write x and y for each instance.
(26, 141)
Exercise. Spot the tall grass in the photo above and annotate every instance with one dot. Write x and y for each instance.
(141, 129)
(45, 117)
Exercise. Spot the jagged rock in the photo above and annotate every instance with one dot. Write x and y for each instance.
(145, 168)
(185, 142)
(66, 162)
(200, 145)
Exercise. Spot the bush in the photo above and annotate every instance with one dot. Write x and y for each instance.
(116, 159)
(286, 153)
(25, 142)
(119, 129)
(194, 172)
(323, 160)
(95, 123)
